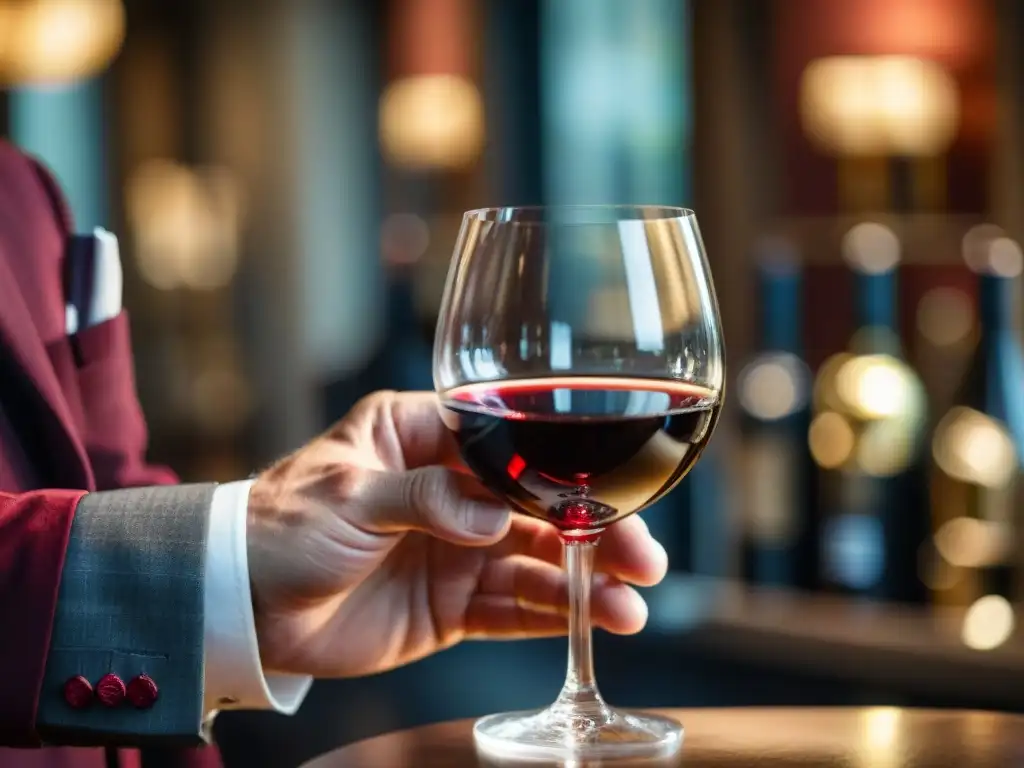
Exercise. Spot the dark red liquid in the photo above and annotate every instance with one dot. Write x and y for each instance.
(581, 452)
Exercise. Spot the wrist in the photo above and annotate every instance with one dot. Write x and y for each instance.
(260, 504)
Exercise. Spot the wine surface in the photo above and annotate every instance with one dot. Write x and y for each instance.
(581, 452)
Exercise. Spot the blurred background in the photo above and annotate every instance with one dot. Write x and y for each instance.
(287, 178)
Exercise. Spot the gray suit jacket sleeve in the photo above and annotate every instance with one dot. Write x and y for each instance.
(131, 603)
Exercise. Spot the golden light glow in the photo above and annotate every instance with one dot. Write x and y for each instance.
(773, 387)
(880, 729)
(976, 241)
(974, 448)
(431, 121)
(881, 726)
(56, 41)
(874, 386)
(879, 106)
(1004, 257)
(871, 248)
(871, 409)
(886, 447)
(826, 398)
(186, 224)
(831, 440)
(968, 542)
(989, 623)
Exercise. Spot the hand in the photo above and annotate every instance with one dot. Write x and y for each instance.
(373, 546)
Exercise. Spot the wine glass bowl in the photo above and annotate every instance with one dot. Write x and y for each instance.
(580, 366)
(580, 452)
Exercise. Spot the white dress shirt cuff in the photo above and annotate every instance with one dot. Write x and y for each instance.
(234, 672)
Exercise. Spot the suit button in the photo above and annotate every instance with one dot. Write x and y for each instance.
(142, 692)
(110, 690)
(78, 692)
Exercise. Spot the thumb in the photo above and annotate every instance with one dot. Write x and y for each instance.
(444, 503)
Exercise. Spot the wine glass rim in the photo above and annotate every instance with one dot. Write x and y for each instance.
(509, 214)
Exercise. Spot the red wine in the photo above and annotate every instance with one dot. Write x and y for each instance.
(581, 452)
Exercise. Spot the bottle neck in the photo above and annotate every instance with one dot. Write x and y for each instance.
(876, 301)
(780, 312)
(995, 305)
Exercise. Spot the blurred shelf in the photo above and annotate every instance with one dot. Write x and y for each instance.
(912, 649)
(927, 239)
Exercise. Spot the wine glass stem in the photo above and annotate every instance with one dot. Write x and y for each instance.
(580, 693)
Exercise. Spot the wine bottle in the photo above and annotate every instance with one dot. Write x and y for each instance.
(977, 451)
(778, 536)
(867, 437)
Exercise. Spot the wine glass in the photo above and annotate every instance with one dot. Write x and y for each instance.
(580, 366)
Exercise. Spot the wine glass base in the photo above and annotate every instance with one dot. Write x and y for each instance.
(549, 734)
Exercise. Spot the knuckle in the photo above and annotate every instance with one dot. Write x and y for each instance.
(368, 406)
(380, 400)
(348, 482)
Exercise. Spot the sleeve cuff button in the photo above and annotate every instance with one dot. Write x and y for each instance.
(78, 692)
(142, 692)
(110, 690)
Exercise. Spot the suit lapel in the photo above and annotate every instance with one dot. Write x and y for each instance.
(20, 339)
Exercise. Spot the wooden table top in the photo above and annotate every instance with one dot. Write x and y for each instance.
(873, 737)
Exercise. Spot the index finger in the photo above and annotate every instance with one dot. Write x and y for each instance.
(627, 549)
(420, 437)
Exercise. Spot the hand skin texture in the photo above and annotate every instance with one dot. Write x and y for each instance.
(373, 546)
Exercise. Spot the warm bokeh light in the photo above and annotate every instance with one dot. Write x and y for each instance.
(57, 41)
(989, 623)
(969, 542)
(879, 106)
(1004, 258)
(881, 730)
(871, 248)
(774, 387)
(974, 448)
(431, 121)
(186, 224)
(870, 409)
(945, 316)
(826, 398)
(874, 386)
(886, 447)
(976, 241)
(831, 440)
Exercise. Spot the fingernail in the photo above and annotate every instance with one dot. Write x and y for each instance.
(488, 522)
(662, 555)
(638, 603)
